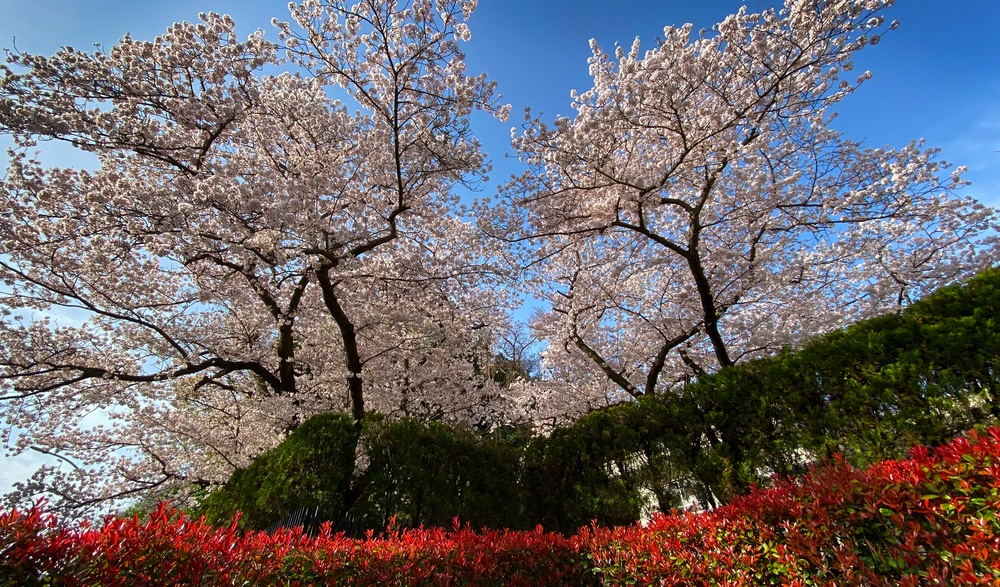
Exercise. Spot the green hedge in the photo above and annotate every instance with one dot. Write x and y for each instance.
(427, 473)
(867, 392)
(314, 466)
(420, 473)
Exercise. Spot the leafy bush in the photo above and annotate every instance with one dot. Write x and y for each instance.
(867, 392)
(930, 520)
(173, 550)
(419, 473)
(314, 466)
(427, 473)
(601, 468)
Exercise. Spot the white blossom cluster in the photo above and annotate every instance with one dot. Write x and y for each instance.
(250, 251)
(698, 210)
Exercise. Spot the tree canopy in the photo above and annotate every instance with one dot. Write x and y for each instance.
(272, 231)
(698, 209)
(250, 250)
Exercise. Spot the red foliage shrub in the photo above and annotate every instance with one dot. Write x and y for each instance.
(169, 549)
(932, 519)
(929, 520)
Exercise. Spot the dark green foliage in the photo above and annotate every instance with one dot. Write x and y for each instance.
(869, 392)
(429, 473)
(596, 469)
(314, 466)
(420, 473)
(567, 476)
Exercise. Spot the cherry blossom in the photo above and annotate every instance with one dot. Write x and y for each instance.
(270, 232)
(699, 209)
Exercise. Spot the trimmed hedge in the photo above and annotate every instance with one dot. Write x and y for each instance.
(314, 466)
(428, 473)
(596, 469)
(867, 392)
(418, 473)
(932, 519)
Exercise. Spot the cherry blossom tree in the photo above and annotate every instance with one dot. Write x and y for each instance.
(700, 209)
(270, 232)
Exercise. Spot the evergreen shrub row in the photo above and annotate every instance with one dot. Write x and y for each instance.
(866, 392)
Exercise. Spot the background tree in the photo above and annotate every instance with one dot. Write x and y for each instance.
(249, 251)
(699, 209)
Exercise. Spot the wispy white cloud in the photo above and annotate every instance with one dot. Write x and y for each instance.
(20, 467)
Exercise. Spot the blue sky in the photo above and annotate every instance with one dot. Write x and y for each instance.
(937, 77)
